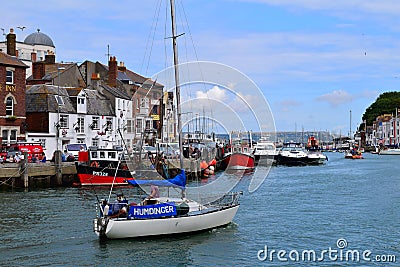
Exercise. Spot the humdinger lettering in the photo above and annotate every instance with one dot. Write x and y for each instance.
(152, 211)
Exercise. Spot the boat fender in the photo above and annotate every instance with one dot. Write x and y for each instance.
(106, 210)
(102, 222)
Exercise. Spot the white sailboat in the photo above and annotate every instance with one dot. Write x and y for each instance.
(155, 215)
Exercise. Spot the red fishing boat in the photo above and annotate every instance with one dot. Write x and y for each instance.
(240, 154)
(102, 167)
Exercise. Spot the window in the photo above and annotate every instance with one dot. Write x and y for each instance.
(109, 124)
(81, 101)
(59, 100)
(95, 142)
(139, 125)
(154, 109)
(64, 121)
(80, 140)
(10, 75)
(155, 96)
(130, 126)
(95, 123)
(13, 136)
(148, 123)
(10, 106)
(81, 125)
(4, 135)
(144, 103)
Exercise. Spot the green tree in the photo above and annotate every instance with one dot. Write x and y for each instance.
(386, 103)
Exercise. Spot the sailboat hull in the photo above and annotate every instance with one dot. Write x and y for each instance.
(124, 228)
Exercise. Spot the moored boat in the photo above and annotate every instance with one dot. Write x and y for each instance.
(100, 166)
(292, 154)
(390, 151)
(264, 151)
(240, 153)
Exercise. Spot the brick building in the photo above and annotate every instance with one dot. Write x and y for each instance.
(12, 95)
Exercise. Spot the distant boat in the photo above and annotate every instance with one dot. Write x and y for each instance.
(353, 154)
(240, 153)
(264, 150)
(292, 154)
(390, 151)
(314, 153)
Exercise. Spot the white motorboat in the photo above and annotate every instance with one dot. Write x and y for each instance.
(265, 151)
(292, 154)
(390, 151)
(316, 157)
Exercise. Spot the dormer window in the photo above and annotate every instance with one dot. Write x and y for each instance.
(10, 76)
(59, 100)
(81, 100)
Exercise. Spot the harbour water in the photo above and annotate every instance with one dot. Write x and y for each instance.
(341, 206)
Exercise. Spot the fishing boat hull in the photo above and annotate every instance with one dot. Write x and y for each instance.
(89, 175)
(125, 228)
(239, 161)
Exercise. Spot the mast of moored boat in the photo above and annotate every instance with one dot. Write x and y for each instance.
(177, 86)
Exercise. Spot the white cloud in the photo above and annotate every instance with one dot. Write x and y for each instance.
(215, 93)
(336, 97)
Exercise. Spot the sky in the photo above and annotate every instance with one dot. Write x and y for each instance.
(314, 62)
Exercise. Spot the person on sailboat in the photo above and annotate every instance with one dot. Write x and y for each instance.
(155, 192)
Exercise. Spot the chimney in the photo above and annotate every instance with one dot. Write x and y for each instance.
(112, 72)
(95, 80)
(121, 66)
(50, 58)
(11, 43)
(33, 57)
(38, 70)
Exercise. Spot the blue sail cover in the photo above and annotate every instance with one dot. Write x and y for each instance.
(177, 181)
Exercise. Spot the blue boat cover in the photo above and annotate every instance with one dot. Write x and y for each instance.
(178, 181)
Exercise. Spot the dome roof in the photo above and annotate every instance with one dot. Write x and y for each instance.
(38, 38)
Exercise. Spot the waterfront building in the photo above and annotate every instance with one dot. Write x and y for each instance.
(144, 93)
(12, 96)
(385, 131)
(34, 48)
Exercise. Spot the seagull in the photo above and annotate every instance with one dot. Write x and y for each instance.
(21, 27)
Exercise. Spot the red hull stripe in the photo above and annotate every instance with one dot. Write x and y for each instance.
(90, 179)
(241, 160)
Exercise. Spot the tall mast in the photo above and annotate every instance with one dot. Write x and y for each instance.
(177, 87)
